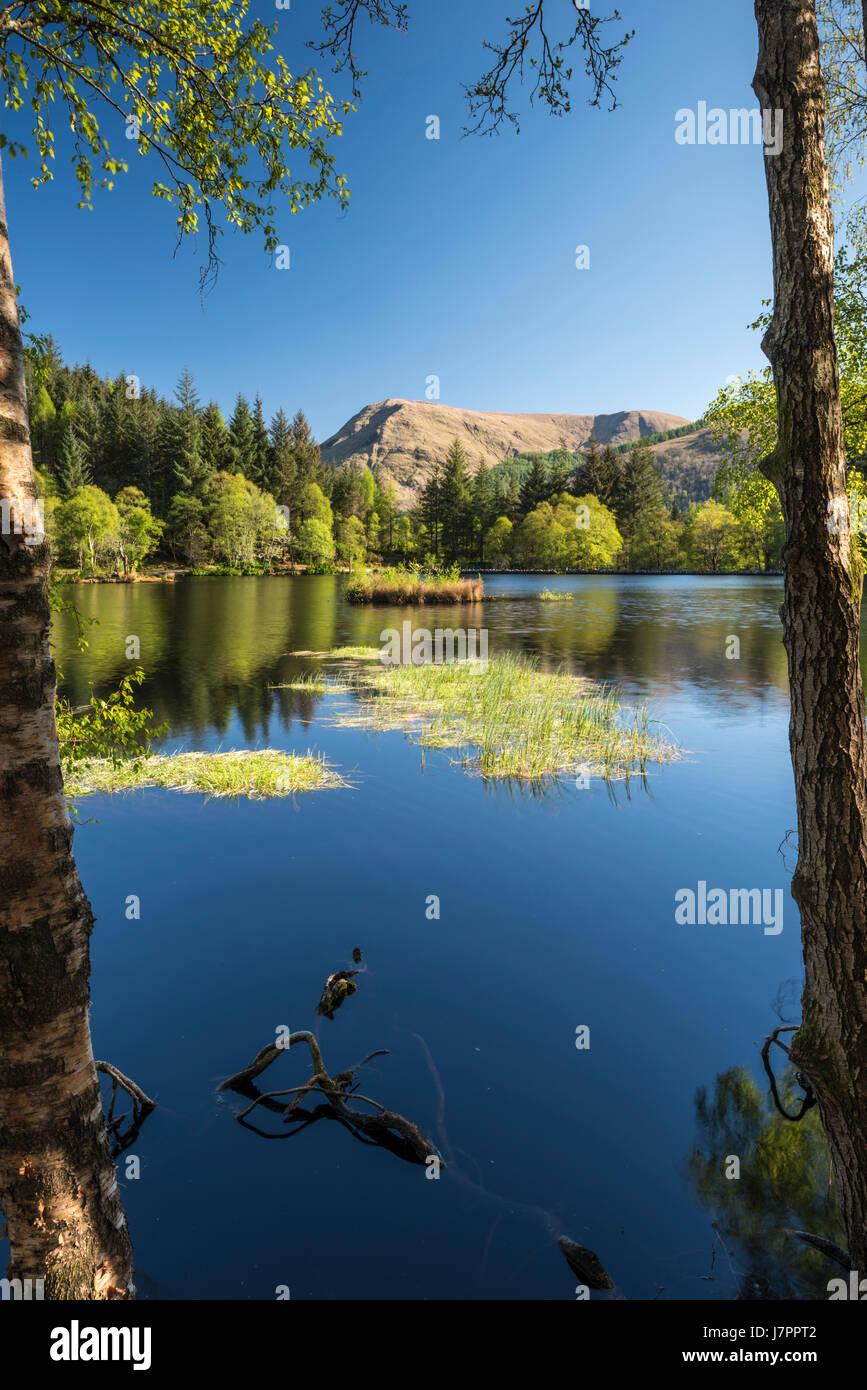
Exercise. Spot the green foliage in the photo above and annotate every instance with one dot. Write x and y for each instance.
(138, 531)
(498, 541)
(110, 730)
(316, 544)
(567, 533)
(640, 507)
(658, 437)
(202, 94)
(241, 521)
(742, 418)
(87, 526)
(714, 538)
(351, 541)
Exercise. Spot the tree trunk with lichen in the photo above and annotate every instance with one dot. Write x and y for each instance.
(58, 1186)
(822, 605)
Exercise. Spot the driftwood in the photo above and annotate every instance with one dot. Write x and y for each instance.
(335, 1090)
(142, 1105)
(585, 1263)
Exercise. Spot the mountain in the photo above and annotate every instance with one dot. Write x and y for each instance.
(404, 438)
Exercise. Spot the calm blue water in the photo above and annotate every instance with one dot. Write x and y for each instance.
(557, 911)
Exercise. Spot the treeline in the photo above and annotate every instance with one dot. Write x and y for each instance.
(130, 477)
(127, 474)
(608, 508)
(659, 437)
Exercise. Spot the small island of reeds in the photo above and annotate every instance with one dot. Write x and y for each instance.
(398, 586)
(505, 718)
(256, 774)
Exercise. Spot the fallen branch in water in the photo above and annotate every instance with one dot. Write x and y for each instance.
(142, 1105)
(335, 1090)
(586, 1264)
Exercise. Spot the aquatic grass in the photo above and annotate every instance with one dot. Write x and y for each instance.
(346, 654)
(355, 653)
(313, 683)
(257, 775)
(550, 597)
(509, 719)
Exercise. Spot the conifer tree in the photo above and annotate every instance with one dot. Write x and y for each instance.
(640, 507)
(73, 469)
(535, 488)
(186, 394)
(282, 459)
(430, 504)
(454, 501)
(242, 450)
(262, 459)
(213, 439)
(482, 507)
(305, 455)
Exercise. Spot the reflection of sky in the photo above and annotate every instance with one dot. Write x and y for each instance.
(556, 911)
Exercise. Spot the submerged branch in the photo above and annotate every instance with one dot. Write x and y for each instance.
(334, 1089)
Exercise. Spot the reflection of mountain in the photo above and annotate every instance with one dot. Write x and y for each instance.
(784, 1183)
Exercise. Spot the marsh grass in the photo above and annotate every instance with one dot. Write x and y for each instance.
(508, 719)
(257, 775)
(399, 587)
(313, 683)
(347, 654)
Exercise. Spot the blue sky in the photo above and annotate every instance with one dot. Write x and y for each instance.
(456, 257)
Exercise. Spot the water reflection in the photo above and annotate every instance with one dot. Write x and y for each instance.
(762, 1177)
(557, 911)
(212, 647)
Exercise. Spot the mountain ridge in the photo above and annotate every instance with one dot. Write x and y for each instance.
(403, 439)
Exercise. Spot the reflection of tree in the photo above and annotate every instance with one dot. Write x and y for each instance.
(210, 647)
(784, 1184)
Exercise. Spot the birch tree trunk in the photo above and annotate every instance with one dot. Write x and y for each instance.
(58, 1186)
(822, 604)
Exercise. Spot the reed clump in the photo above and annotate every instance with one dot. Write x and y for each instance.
(257, 774)
(401, 587)
(508, 719)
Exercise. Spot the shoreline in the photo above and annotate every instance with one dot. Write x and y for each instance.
(179, 573)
